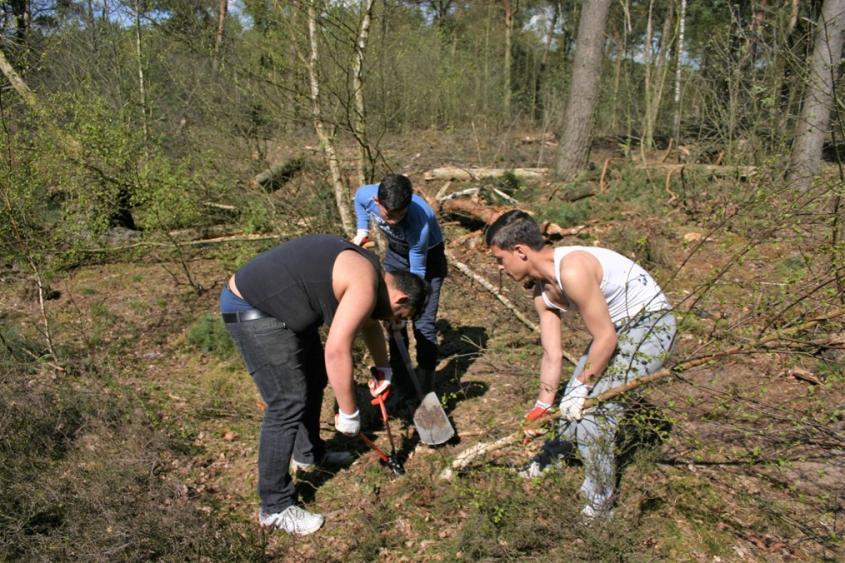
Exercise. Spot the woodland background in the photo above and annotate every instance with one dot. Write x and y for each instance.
(148, 148)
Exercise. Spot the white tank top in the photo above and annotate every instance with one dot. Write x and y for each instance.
(627, 287)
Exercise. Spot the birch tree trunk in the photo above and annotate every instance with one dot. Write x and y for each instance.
(326, 138)
(647, 139)
(574, 150)
(676, 122)
(654, 89)
(508, 64)
(823, 69)
(142, 90)
(221, 30)
(365, 160)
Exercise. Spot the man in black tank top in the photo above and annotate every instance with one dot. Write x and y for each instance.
(273, 307)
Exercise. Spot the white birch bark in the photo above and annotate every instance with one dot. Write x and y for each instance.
(326, 138)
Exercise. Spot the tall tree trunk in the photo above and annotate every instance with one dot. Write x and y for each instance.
(507, 64)
(647, 139)
(92, 26)
(221, 29)
(537, 102)
(676, 122)
(22, 10)
(142, 89)
(574, 150)
(654, 90)
(365, 160)
(812, 127)
(326, 138)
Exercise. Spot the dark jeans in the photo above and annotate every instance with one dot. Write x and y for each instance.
(290, 373)
(425, 331)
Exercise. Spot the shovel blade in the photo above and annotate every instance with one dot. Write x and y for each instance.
(431, 422)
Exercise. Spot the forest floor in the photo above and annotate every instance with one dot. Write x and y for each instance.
(740, 459)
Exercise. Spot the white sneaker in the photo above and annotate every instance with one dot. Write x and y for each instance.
(293, 520)
(330, 459)
(533, 470)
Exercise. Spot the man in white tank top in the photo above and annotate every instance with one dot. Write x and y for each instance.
(632, 332)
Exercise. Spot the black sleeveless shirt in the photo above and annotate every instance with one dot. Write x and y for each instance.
(293, 281)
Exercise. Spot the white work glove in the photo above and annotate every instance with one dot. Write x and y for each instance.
(380, 380)
(349, 424)
(573, 401)
(361, 237)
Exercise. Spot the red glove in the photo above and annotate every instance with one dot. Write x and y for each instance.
(540, 409)
(379, 383)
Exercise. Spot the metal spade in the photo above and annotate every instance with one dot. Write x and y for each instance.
(430, 419)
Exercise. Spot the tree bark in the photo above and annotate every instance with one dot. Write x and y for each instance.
(455, 173)
(812, 127)
(326, 138)
(537, 102)
(142, 90)
(574, 150)
(221, 27)
(507, 63)
(676, 122)
(365, 161)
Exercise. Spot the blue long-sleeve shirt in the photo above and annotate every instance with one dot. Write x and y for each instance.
(413, 236)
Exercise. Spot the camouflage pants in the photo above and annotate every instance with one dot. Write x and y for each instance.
(643, 345)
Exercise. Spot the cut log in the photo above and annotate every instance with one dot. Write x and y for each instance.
(473, 209)
(456, 173)
(278, 174)
(581, 192)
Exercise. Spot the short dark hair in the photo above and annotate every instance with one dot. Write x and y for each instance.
(395, 191)
(512, 228)
(414, 287)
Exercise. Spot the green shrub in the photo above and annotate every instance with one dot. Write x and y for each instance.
(209, 336)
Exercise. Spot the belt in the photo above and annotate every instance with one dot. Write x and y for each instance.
(243, 316)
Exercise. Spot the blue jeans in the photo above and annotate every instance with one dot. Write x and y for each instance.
(425, 331)
(290, 373)
(642, 347)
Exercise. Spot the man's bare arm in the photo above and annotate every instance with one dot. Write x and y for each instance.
(373, 335)
(551, 363)
(354, 282)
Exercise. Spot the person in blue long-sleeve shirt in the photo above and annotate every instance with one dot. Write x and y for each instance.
(415, 243)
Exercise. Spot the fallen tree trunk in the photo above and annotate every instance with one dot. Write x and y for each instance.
(456, 173)
(278, 174)
(465, 458)
(486, 214)
(473, 209)
(579, 193)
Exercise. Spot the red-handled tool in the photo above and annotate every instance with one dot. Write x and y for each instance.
(392, 461)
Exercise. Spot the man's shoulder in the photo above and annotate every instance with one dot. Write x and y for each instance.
(357, 263)
(367, 190)
(421, 208)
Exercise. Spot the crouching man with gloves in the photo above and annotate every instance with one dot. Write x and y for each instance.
(632, 331)
(273, 307)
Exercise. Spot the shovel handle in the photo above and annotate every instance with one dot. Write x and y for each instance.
(406, 358)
